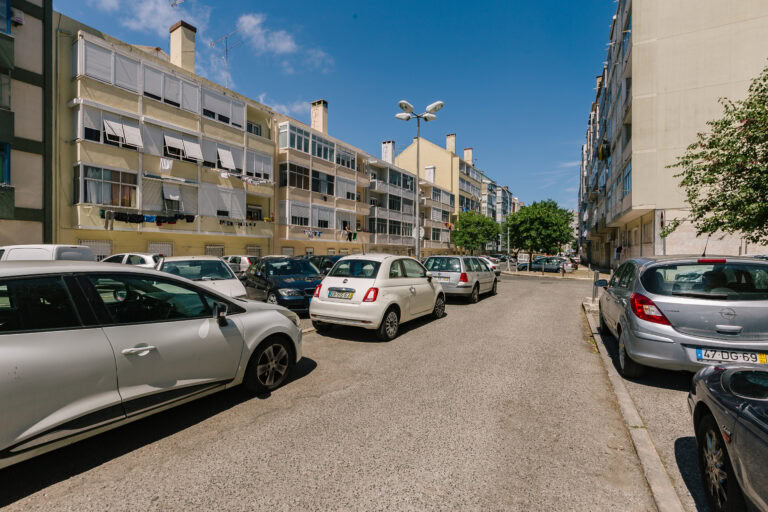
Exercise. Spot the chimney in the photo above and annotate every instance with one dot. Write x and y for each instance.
(388, 151)
(450, 143)
(319, 116)
(468, 156)
(183, 45)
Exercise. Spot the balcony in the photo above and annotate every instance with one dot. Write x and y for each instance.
(429, 223)
(363, 209)
(380, 186)
(434, 244)
(431, 203)
(346, 172)
(309, 234)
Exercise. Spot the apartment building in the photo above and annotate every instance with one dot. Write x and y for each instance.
(667, 65)
(25, 121)
(150, 156)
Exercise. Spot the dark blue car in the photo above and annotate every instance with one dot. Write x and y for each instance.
(289, 282)
(729, 405)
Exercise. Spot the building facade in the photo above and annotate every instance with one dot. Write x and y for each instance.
(25, 122)
(668, 63)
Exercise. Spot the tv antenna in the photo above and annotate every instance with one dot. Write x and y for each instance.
(175, 3)
(227, 47)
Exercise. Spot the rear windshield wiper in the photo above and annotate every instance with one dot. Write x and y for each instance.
(700, 295)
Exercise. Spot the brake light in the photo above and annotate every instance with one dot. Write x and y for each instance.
(711, 260)
(371, 295)
(463, 278)
(317, 290)
(645, 309)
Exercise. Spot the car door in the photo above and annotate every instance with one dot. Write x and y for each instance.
(399, 287)
(167, 343)
(57, 369)
(609, 301)
(422, 288)
(488, 275)
(482, 275)
(751, 437)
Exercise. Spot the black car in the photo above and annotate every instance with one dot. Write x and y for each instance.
(289, 282)
(729, 405)
(325, 263)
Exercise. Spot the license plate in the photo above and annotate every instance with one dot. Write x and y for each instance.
(333, 294)
(726, 356)
(444, 279)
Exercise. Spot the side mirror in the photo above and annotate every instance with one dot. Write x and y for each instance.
(243, 278)
(220, 313)
(601, 283)
(429, 276)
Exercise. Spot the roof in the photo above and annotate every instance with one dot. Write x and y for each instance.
(191, 258)
(22, 268)
(682, 257)
(36, 246)
(371, 256)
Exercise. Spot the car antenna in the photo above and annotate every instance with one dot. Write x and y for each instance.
(703, 254)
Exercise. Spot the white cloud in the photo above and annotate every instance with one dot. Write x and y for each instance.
(262, 40)
(211, 66)
(158, 16)
(572, 163)
(290, 109)
(317, 59)
(104, 5)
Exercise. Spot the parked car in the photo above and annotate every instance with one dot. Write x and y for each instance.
(548, 264)
(325, 263)
(682, 313)
(239, 263)
(208, 271)
(465, 276)
(535, 264)
(729, 407)
(46, 252)
(145, 260)
(493, 265)
(86, 347)
(376, 291)
(289, 282)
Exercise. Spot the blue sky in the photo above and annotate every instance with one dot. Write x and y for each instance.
(517, 77)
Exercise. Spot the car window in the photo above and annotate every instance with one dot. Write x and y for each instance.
(750, 384)
(290, 267)
(617, 275)
(396, 270)
(135, 260)
(131, 299)
(484, 266)
(366, 269)
(442, 264)
(114, 259)
(628, 276)
(413, 268)
(199, 270)
(36, 304)
(155, 258)
(234, 259)
(716, 280)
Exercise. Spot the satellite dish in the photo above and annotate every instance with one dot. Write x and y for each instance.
(421, 232)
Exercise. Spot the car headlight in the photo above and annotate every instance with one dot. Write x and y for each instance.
(290, 292)
(290, 315)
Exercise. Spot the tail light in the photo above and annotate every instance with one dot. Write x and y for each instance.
(645, 309)
(317, 290)
(371, 295)
(463, 278)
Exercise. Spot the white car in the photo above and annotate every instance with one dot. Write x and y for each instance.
(209, 271)
(376, 291)
(491, 264)
(240, 263)
(86, 347)
(139, 259)
(46, 252)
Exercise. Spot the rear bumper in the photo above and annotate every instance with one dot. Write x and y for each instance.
(454, 289)
(367, 315)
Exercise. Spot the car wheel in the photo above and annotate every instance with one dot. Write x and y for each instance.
(390, 324)
(272, 298)
(628, 367)
(720, 484)
(321, 327)
(269, 367)
(494, 290)
(475, 295)
(439, 311)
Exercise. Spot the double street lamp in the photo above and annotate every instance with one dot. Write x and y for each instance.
(428, 115)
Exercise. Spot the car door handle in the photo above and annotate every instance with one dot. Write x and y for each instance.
(728, 329)
(138, 350)
(413, 290)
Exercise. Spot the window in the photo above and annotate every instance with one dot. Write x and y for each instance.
(395, 178)
(299, 220)
(406, 229)
(292, 175)
(258, 165)
(322, 217)
(408, 182)
(253, 212)
(363, 269)
(413, 268)
(36, 304)
(628, 178)
(5, 163)
(253, 128)
(394, 227)
(221, 108)
(345, 189)
(107, 187)
(172, 198)
(446, 216)
(5, 16)
(322, 183)
(436, 195)
(381, 225)
(5, 89)
(396, 270)
(394, 202)
(435, 236)
(346, 158)
(161, 248)
(407, 206)
(293, 137)
(107, 128)
(322, 148)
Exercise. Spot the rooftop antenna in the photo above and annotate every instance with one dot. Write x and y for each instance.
(227, 48)
(175, 3)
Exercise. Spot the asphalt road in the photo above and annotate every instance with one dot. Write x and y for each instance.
(501, 405)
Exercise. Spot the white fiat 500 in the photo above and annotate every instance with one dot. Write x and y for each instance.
(376, 291)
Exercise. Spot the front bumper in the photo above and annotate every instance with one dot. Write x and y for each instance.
(296, 303)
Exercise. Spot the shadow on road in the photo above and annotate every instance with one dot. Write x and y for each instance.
(31, 476)
(360, 335)
(688, 464)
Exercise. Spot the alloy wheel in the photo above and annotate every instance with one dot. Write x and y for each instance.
(439, 306)
(391, 324)
(714, 469)
(272, 298)
(272, 365)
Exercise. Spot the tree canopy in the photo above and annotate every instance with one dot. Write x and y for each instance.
(725, 172)
(474, 230)
(539, 227)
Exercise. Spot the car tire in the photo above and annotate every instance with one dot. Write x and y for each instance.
(390, 325)
(714, 465)
(627, 367)
(494, 290)
(474, 297)
(272, 298)
(321, 327)
(439, 310)
(270, 366)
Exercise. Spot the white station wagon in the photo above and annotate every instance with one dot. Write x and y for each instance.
(376, 291)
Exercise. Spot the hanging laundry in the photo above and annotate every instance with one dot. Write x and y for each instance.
(149, 218)
(166, 164)
(190, 218)
(224, 175)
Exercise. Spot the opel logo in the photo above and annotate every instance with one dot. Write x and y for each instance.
(728, 313)
(345, 282)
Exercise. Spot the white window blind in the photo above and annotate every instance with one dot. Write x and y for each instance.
(171, 192)
(238, 204)
(151, 195)
(298, 209)
(76, 69)
(153, 140)
(258, 164)
(344, 186)
(321, 214)
(92, 118)
(189, 96)
(192, 148)
(153, 82)
(342, 217)
(98, 62)
(126, 72)
(238, 113)
(189, 198)
(437, 215)
(209, 151)
(172, 89)
(173, 140)
(224, 199)
(208, 199)
(237, 157)
(226, 158)
(132, 133)
(113, 125)
(216, 103)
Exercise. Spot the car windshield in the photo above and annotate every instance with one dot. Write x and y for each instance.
(291, 268)
(714, 281)
(441, 264)
(199, 270)
(365, 269)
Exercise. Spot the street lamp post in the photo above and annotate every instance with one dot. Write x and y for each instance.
(428, 115)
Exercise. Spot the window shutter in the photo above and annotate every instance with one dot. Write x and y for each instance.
(126, 72)
(92, 118)
(153, 82)
(151, 195)
(216, 102)
(190, 97)
(172, 89)
(208, 199)
(113, 125)
(250, 164)
(153, 140)
(209, 151)
(238, 113)
(226, 158)
(173, 140)
(192, 148)
(298, 209)
(132, 133)
(171, 192)
(224, 199)
(98, 62)
(237, 156)
(238, 204)
(264, 165)
(76, 68)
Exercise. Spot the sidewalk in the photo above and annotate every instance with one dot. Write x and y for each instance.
(583, 273)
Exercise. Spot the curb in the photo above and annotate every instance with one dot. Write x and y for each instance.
(656, 475)
(307, 330)
(538, 274)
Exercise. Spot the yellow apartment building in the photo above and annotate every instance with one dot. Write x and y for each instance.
(150, 157)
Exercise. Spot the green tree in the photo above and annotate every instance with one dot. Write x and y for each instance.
(539, 227)
(725, 172)
(474, 230)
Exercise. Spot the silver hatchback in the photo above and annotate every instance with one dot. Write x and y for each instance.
(681, 313)
(466, 276)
